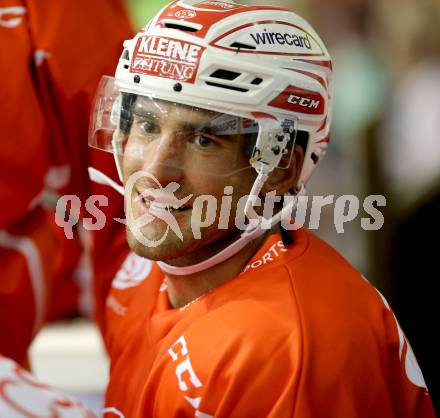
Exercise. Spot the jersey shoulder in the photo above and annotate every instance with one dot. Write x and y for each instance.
(323, 281)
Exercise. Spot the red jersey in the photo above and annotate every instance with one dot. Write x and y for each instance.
(299, 333)
(26, 259)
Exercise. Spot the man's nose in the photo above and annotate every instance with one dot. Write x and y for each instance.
(164, 160)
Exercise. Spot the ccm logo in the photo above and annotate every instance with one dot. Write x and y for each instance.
(299, 100)
(303, 101)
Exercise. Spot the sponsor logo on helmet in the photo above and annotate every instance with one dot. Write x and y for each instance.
(218, 5)
(185, 14)
(269, 37)
(303, 101)
(273, 38)
(299, 100)
(166, 58)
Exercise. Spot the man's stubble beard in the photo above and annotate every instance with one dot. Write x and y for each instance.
(154, 232)
(179, 252)
(190, 250)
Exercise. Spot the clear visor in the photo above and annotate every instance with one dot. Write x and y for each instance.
(147, 131)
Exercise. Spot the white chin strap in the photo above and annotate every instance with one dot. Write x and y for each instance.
(257, 227)
(101, 178)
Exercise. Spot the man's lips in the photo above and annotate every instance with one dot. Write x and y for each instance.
(160, 202)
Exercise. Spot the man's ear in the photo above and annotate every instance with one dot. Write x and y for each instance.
(283, 179)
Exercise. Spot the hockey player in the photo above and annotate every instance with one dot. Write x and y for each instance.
(219, 112)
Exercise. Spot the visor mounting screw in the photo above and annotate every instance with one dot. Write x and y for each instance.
(276, 150)
(177, 87)
(137, 79)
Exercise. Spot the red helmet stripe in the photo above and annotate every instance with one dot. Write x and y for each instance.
(326, 64)
(316, 77)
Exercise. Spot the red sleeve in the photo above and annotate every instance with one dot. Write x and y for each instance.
(26, 259)
(24, 150)
(76, 44)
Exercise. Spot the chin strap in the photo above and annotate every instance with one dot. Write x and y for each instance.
(252, 232)
(101, 178)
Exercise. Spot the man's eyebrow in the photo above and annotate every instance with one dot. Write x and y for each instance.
(201, 120)
(140, 111)
(147, 107)
(195, 126)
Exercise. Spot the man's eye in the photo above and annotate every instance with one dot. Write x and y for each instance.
(148, 127)
(204, 141)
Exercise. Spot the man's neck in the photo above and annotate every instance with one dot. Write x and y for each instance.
(185, 289)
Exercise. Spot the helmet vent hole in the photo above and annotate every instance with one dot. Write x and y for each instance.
(179, 26)
(257, 81)
(224, 86)
(240, 45)
(225, 74)
(125, 55)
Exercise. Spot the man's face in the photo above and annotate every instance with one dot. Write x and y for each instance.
(174, 152)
